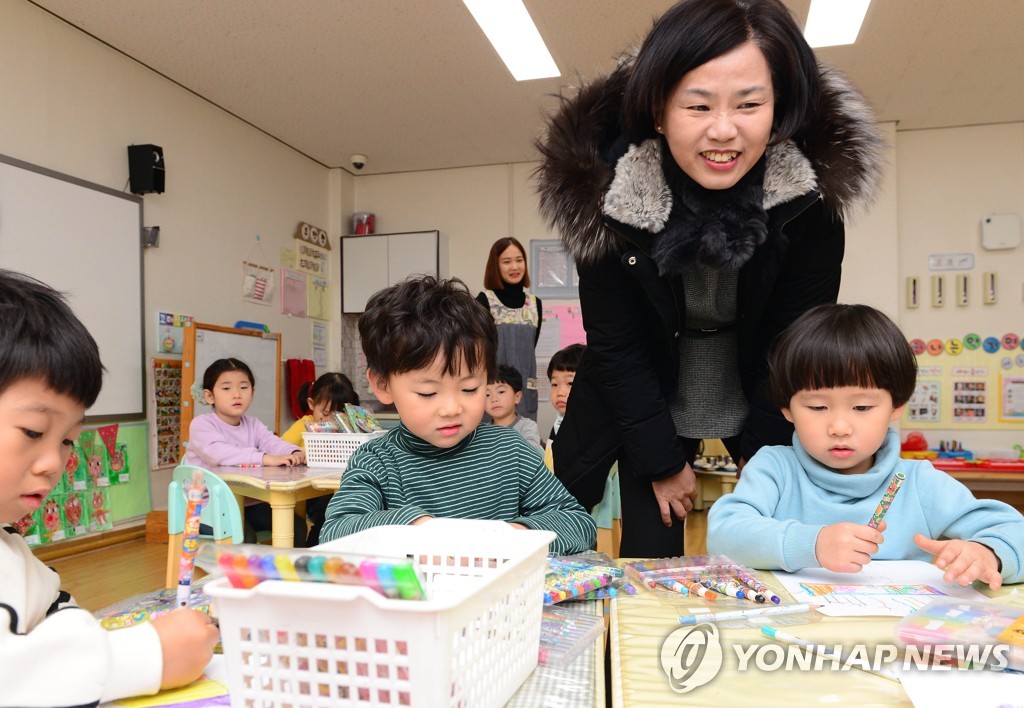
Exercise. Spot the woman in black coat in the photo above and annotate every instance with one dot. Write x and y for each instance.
(702, 189)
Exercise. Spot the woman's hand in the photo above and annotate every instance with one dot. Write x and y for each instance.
(675, 494)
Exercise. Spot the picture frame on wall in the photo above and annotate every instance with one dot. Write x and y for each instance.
(553, 271)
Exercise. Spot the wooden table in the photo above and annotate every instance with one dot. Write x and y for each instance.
(640, 624)
(282, 488)
(1004, 485)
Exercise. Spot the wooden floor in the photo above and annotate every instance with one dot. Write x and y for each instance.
(102, 577)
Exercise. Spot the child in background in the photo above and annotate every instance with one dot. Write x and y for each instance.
(841, 374)
(51, 651)
(503, 394)
(323, 398)
(430, 349)
(230, 438)
(561, 372)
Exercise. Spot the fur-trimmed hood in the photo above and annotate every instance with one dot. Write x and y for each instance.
(841, 158)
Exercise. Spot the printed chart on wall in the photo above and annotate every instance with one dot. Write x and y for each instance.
(973, 381)
(164, 412)
(563, 325)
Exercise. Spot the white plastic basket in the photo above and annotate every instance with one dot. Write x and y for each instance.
(471, 644)
(334, 449)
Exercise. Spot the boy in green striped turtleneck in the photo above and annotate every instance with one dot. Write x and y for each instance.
(429, 350)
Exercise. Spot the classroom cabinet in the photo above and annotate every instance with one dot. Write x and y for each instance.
(374, 261)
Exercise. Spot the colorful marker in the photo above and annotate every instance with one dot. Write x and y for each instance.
(190, 537)
(886, 502)
(743, 614)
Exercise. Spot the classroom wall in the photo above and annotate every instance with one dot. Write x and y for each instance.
(73, 105)
(948, 180)
(472, 207)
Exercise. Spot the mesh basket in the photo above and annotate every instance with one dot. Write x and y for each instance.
(471, 644)
(334, 449)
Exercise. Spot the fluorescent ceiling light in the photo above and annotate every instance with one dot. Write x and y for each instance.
(510, 29)
(833, 22)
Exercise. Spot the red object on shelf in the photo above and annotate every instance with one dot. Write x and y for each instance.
(947, 465)
(915, 442)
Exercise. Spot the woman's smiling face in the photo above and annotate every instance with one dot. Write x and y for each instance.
(718, 119)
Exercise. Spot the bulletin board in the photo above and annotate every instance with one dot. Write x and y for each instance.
(563, 325)
(261, 351)
(973, 382)
(164, 412)
(83, 239)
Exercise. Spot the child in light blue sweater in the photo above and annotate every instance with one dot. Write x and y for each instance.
(841, 374)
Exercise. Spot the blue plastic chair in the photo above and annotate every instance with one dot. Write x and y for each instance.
(220, 512)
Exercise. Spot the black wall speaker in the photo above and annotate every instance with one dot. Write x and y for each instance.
(146, 168)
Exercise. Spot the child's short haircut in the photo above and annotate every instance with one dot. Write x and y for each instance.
(40, 338)
(405, 327)
(832, 346)
(509, 375)
(567, 359)
(222, 366)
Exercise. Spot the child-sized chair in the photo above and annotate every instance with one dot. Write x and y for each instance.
(220, 512)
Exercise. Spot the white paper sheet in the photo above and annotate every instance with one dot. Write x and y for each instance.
(978, 689)
(887, 588)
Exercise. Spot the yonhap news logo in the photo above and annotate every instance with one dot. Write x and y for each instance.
(693, 656)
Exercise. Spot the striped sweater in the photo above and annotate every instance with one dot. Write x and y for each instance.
(492, 474)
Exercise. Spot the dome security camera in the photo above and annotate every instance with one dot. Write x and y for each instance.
(358, 161)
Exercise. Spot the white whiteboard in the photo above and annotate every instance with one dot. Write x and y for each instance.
(84, 240)
(261, 352)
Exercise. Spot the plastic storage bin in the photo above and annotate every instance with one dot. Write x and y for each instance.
(334, 449)
(472, 643)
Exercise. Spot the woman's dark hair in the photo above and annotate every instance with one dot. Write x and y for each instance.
(222, 366)
(406, 326)
(831, 346)
(693, 32)
(41, 338)
(334, 388)
(492, 274)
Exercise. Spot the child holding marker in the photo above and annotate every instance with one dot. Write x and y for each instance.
(430, 350)
(51, 651)
(841, 374)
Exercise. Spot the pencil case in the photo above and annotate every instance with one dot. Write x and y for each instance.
(565, 633)
(967, 632)
(247, 565)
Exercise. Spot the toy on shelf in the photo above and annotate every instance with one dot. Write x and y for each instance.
(951, 456)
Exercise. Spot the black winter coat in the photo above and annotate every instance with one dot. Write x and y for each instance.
(609, 218)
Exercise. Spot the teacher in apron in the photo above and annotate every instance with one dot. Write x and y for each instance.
(517, 314)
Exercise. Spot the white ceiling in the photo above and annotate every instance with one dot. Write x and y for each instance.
(414, 84)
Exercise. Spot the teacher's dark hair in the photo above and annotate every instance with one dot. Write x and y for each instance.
(833, 346)
(492, 274)
(693, 32)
